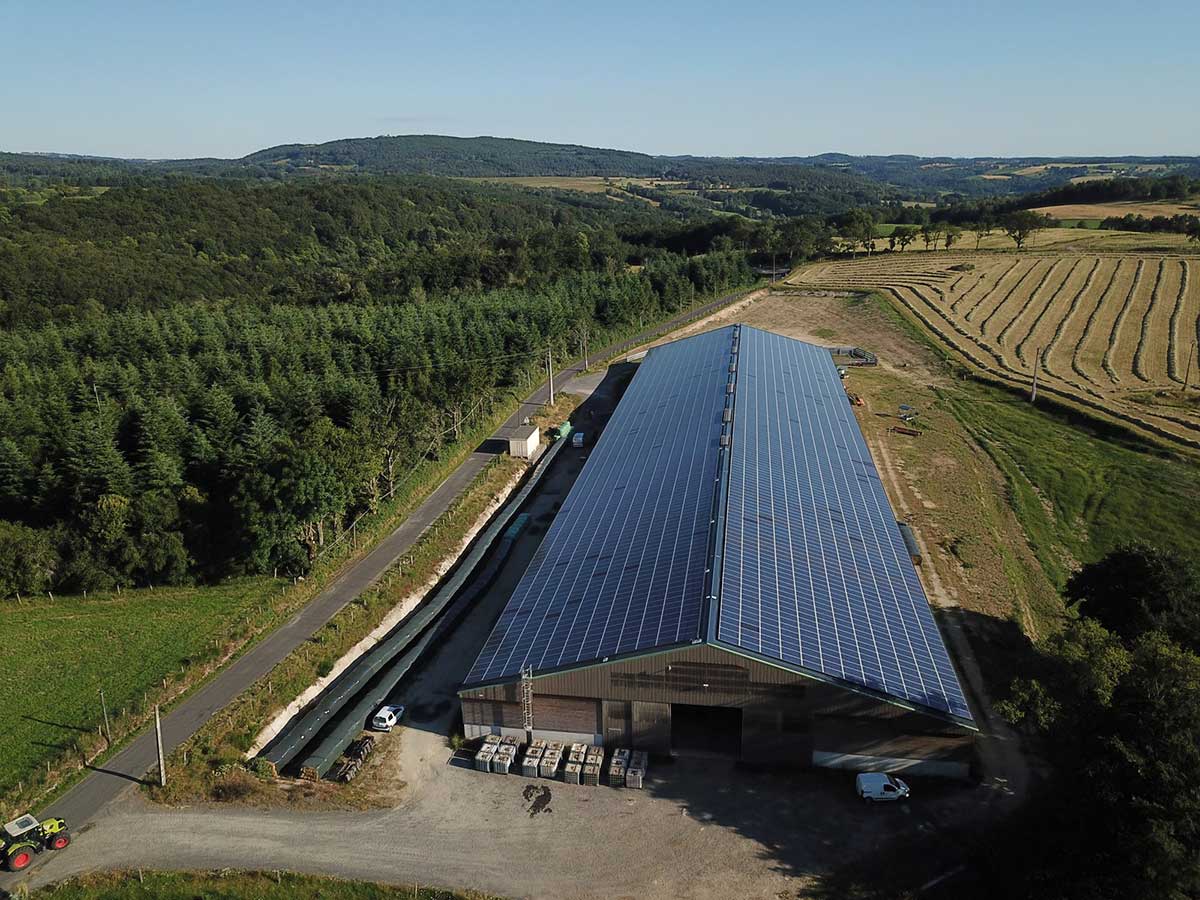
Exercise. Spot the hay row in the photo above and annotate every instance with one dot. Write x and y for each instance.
(1020, 349)
(982, 279)
(1106, 362)
(1066, 317)
(1022, 307)
(970, 312)
(1139, 355)
(1092, 320)
(1173, 328)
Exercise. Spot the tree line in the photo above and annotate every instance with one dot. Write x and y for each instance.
(207, 379)
(1112, 703)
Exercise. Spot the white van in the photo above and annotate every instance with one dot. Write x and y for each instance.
(387, 718)
(577, 439)
(874, 786)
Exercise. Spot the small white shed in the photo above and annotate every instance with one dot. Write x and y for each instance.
(523, 441)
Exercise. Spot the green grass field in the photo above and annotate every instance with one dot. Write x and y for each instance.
(226, 885)
(55, 655)
(1079, 487)
(1081, 490)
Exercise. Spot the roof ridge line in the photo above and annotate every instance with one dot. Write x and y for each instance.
(716, 537)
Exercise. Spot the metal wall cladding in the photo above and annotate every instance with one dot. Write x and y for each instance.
(704, 675)
(571, 714)
(492, 712)
(566, 714)
(617, 723)
(652, 727)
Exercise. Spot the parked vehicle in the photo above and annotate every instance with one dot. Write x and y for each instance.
(387, 718)
(25, 837)
(577, 439)
(876, 786)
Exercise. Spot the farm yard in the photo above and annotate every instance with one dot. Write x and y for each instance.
(1113, 331)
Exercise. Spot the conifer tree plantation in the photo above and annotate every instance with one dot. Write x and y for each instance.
(209, 378)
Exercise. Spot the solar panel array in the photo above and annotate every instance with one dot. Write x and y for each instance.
(814, 569)
(622, 567)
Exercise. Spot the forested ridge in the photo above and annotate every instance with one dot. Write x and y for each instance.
(209, 378)
(302, 242)
(912, 177)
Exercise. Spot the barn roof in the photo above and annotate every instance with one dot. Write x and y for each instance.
(731, 500)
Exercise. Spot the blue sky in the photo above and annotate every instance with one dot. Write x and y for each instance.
(168, 79)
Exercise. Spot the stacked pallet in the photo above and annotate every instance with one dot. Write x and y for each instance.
(617, 767)
(550, 762)
(577, 754)
(505, 758)
(484, 756)
(532, 760)
(591, 774)
(636, 773)
(572, 772)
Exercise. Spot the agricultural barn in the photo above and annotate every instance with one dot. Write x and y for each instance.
(726, 576)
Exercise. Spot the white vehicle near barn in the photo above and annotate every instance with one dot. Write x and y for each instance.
(387, 718)
(876, 786)
(577, 439)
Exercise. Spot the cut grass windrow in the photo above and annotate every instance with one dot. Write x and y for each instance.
(1176, 315)
(1139, 355)
(1090, 324)
(1020, 349)
(975, 306)
(1106, 362)
(1062, 322)
(980, 282)
(1023, 307)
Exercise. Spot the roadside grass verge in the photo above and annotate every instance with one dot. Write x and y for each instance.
(209, 765)
(232, 885)
(57, 655)
(153, 645)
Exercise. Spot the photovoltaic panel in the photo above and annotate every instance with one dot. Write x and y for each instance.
(622, 567)
(814, 571)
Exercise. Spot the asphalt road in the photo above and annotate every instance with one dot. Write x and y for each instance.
(85, 800)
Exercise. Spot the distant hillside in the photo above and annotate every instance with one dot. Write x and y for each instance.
(431, 154)
(836, 177)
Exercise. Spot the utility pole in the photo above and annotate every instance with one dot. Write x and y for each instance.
(96, 394)
(550, 375)
(583, 340)
(1187, 373)
(1037, 364)
(104, 710)
(162, 766)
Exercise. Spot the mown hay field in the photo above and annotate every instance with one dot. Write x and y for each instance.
(1112, 331)
(1146, 208)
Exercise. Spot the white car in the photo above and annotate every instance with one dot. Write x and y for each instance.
(387, 718)
(577, 439)
(875, 786)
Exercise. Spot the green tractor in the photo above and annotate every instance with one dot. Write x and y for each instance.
(25, 836)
